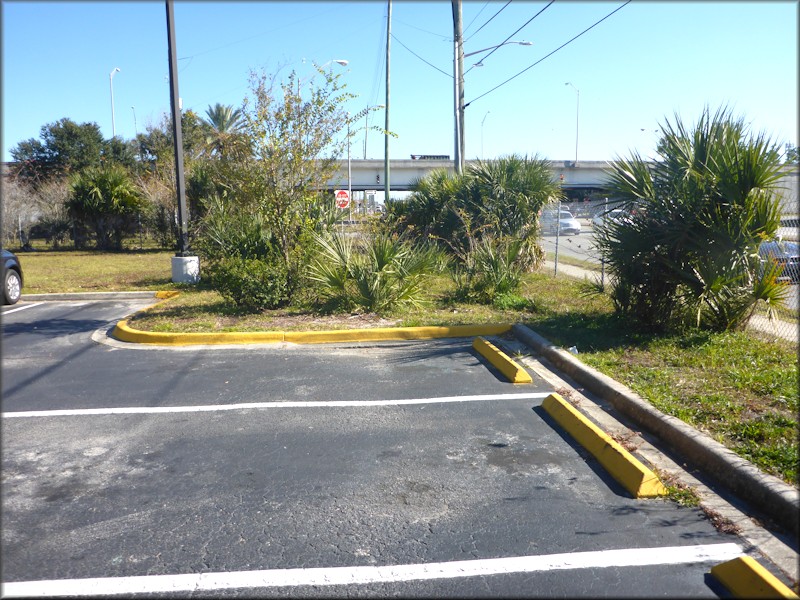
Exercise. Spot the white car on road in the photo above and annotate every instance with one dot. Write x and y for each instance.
(566, 224)
(600, 218)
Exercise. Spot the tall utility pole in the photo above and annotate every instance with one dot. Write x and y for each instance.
(386, 125)
(458, 86)
(177, 135)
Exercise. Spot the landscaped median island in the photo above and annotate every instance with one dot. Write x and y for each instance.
(738, 388)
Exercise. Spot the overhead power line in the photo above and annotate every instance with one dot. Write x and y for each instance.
(487, 22)
(439, 35)
(419, 57)
(257, 35)
(476, 16)
(548, 55)
(512, 35)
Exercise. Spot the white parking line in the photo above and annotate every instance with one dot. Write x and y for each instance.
(19, 308)
(128, 410)
(150, 584)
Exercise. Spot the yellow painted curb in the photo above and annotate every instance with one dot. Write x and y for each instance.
(640, 481)
(746, 578)
(125, 333)
(502, 361)
(392, 333)
(167, 294)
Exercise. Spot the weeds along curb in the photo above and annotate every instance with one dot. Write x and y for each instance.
(769, 494)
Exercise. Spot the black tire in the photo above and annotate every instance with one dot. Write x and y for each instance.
(12, 288)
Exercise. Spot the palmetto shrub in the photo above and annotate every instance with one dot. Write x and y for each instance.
(106, 201)
(492, 199)
(374, 274)
(492, 270)
(688, 255)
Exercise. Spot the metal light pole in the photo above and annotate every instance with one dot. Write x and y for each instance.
(185, 267)
(577, 114)
(386, 185)
(349, 172)
(111, 85)
(458, 87)
(338, 61)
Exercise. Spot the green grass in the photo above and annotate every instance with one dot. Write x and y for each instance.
(50, 271)
(739, 388)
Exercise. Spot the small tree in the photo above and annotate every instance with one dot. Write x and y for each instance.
(20, 212)
(106, 201)
(295, 142)
(54, 220)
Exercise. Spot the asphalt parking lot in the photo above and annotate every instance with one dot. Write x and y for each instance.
(393, 468)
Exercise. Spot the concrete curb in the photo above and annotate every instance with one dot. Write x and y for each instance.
(640, 481)
(744, 577)
(124, 333)
(513, 372)
(767, 493)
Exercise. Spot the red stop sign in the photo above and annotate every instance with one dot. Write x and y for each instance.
(342, 198)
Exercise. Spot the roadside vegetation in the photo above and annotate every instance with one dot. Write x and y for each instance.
(738, 387)
(683, 278)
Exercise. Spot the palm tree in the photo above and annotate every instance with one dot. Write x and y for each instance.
(224, 130)
(106, 200)
(690, 248)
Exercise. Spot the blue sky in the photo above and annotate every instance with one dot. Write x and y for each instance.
(644, 64)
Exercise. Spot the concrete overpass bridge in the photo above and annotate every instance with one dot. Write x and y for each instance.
(580, 179)
(369, 174)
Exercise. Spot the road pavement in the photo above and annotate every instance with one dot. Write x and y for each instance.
(394, 468)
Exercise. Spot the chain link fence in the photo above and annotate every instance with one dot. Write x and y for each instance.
(782, 321)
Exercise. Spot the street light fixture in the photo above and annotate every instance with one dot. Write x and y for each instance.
(111, 84)
(458, 80)
(577, 113)
(480, 63)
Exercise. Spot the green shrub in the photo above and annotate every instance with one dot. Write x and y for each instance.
(251, 283)
(688, 253)
(509, 301)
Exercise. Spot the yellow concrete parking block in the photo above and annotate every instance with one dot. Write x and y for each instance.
(640, 481)
(501, 360)
(744, 577)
